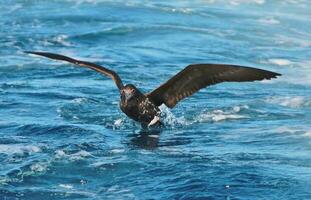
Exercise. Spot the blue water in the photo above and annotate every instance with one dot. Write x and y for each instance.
(63, 136)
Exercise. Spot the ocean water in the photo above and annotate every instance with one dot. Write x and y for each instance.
(63, 136)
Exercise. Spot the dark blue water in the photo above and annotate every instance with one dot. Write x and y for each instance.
(62, 135)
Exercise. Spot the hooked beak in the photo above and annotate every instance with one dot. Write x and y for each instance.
(127, 95)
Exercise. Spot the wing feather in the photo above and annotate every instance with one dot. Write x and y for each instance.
(197, 76)
(115, 77)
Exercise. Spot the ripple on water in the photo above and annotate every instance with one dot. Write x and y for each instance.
(20, 149)
(220, 115)
(289, 101)
(62, 135)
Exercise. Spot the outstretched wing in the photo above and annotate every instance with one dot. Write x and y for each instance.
(197, 76)
(115, 77)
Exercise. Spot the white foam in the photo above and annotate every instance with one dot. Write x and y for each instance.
(285, 129)
(66, 186)
(117, 123)
(214, 116)
(117, 151)
(61, 39)
(60, 154)
(301, 131)
(307, 134)
(279, 61)
(79, 100)
(220, 115)
(18, 149)
(292, 102)
(38, 167)
(4, 180)
(292, 41)
(153, 136)
(269, 21)
(170, 119)
(182, 10)
(80, 155)
(238, 2)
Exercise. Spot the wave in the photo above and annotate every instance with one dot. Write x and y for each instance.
(19, 149)
(79, 155)
(57, 130)
(15, 85)
(171, 121)
(206, 116)
(222, 115)
(238, 2)
(47, 95)
(289, 101)
(61, 40)
(16, 175)
(269, 21)
(143, 29)
(279, 61)
(307, 134)
(299, 131)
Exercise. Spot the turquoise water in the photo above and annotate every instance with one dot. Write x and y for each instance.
(63, 136)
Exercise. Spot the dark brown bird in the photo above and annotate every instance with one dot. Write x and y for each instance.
(144, 107)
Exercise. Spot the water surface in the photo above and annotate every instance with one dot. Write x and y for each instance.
(62, 135)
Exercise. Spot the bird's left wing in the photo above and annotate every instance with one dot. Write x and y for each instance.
(115, 77)
(197, 76)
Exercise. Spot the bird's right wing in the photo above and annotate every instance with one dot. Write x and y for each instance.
(115, 77)
(197, 76)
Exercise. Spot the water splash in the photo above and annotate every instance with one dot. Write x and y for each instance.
(169, 119)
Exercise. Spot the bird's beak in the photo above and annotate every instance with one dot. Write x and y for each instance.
(127, 95)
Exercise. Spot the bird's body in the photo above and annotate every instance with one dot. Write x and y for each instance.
(138, 106)
(144, 108)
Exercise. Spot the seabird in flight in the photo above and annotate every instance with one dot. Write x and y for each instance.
(144, 108)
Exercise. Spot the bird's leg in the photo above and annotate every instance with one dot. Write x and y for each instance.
(155, 120)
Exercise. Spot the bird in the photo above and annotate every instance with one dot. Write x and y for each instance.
(144, 108)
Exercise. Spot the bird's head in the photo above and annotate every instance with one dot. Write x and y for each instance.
(129, 91)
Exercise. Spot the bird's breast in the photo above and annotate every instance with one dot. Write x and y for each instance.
(140, 109)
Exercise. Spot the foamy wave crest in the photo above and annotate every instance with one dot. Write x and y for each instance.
(66, 186)
(292, 102)
(79, 100)
(220, 115)
(238, 2)
(18, 174)
(285, 129)
(269, 21)
(300, 131)
(279, 61)
(307, 134)
(170, 119)
(59, 39)
(18, 149)
(80, 155)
